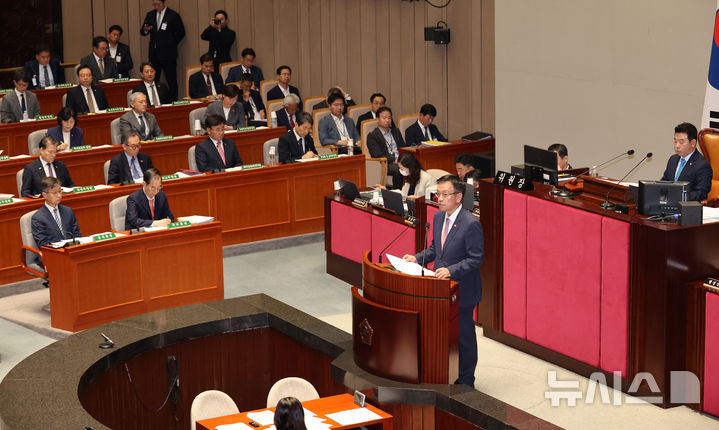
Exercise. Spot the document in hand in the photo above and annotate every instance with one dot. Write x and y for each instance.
(407, 267)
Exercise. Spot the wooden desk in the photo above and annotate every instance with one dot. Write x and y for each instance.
(442, 157)
(252, 205)
(173, 120)
(86, 167)
(105, 281)
(321, 407)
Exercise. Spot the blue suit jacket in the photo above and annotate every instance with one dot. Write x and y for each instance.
(462, 254)
(45, 229)
(76, 138)
(329, 135)
(697, 171)
(138, 210)
(119, 170)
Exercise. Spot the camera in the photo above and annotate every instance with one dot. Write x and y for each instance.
(218, 21)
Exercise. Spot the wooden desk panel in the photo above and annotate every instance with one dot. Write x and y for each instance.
(442, 157)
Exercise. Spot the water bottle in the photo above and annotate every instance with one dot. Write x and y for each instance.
(350, 147)
(273, 119)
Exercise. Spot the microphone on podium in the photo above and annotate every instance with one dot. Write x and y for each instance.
(392, 243)
(426, 229)
(623, 154)
(606, 204)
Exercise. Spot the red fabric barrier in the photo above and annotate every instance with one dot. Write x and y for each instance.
(515, 264)
(384, 232)
(711, 352)
(349, 228)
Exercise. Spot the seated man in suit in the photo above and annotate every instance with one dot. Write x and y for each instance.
(130, 164)
(67, 133)
(335, 90)
(44, 166)
(19, 105)
(139, 120)
(252, 102)
(148, 206)
(297, 143)
(216, 152)
(337, 129)
(102, 66)
(86, 98)
(228, 108)
(457, 250)
(53, 222)
(287, 116)
(157, 93)
(206, 83)
(423, 129)
(376, 100)
(44, 70)
(688, 164)
(283, 88)
(247, 66)
(465, 163)
(384, 141)
(119, 52)
(562, 156)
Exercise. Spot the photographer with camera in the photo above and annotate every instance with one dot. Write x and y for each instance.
(220, 37)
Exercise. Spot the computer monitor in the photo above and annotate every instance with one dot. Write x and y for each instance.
(468, 197)
(393, 201)
(349, 189)
(540, 165)
(661, 197)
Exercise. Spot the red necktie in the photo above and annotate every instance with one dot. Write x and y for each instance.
(292, 123)
(152, 208)
(209, 86)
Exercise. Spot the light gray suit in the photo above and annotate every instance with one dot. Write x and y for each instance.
(108, 64)
(129, 121)
(11, 110)
(329, 135)
(235, 117)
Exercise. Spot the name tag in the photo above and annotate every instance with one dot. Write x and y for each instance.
(117, 58)
(180, 102)
(5, 202)
(169, 177)
(251, 166)
(163, 26)
(41, 117)
(120, 79)
(4, 157)
(115, 109)
(80, 148)
(34, 81)
(248, 128)
(178, 224)
(6, 91)
(83, 189)
(328, 156)
(105, 236)
(65, 85)
(164, 138)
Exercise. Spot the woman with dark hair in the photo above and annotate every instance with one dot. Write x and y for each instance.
(289, 414)
(416, 179)
(66, 132)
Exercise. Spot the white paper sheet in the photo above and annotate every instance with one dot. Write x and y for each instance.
(235, 426)
(406, 267)
(353, 416)
(709, 215)
(196, 219)
(263, 418)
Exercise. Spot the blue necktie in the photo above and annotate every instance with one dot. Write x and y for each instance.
(682, 163)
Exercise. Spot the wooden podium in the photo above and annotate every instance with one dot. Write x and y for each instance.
(406, 327)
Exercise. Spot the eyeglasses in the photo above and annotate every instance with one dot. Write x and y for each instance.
(445, 195)
(154, 188)
(134, 146)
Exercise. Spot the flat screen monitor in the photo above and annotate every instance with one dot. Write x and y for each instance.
(393, 201)
(468, 197)
(540, 165)
(349, 189)
(661, 197)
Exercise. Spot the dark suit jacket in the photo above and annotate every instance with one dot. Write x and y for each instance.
(220, 43)
(377, 145)
(235, 74)
(45, 229)
(76, 99)
(34, 173)
(76, 138)
(235, 118)
(163, 43)
(124, 66)
(364, 116)
(138, 212)
(119, 170)
(33, 67)
(198, 85)
(462, 254)
(697, 171)
(257, 98)
(414, 136)
(162, 91)
(208, 158)
(283, 119)
(276, 93)
(109, 65)
(288, 147)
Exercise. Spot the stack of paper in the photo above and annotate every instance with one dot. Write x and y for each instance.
(263, 418)
(196, 219)
(353, 416)
(710, 214)
(434, 143)
(235, 426)
(408, 268)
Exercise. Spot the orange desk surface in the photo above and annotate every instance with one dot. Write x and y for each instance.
(173, 120)
(321, 407)
(252, 205)
(101, 282)
(86, 167)
(442, 157)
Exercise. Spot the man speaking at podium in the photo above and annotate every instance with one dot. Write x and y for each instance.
(457, 250)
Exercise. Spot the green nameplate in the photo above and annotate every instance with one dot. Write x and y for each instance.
(169, 177)
(105, 236)
(81, 148)
(251, 166)
(178, 224)
(5, 202)
(120, 79)
(180, 102)
(115, 109)
(4, 157)
(248, 128)
(65, 85)
(6, 91)
(164, 138)
(41, 117)
(83, 189)
(327, 156)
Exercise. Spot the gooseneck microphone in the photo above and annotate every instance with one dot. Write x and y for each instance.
(606, 204)
(623, 154)
(392, 243)
(63, 232)
(426, 229)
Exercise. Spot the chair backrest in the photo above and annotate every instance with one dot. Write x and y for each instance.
(106, 170)
(211, 404)
(298, 388)
(265, 86)
(33, 141)
(309, 102)
(709, 145)
(26, 235)
(225, 68)
(272, 143)
(189, 71)
(115, 134)
(195, 114)
(367, 127)
(191, 158)
(437, 173)
(405, 121)
(129, 93)
(316, 117)
(74, 73)
(118, 207)
(272, 106)
(64, 100)
(18, 179)
(356, 111)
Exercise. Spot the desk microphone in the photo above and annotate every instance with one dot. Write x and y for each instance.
(606, 204)
(426, 229)
(392, 243)
(630, 152)
(63, 232)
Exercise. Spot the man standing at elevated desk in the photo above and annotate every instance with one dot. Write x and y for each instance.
(119, 52)
(457, 250)
(53, 222)
(216, 152)
(688, 164)
(44, 70)
(423, 130)
(148, 206)
(44, 166)
(166, 30)
(297, 143)
(20, 104)
(86, 98)
(102, 66)
(139, 120)
(130, 164)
